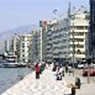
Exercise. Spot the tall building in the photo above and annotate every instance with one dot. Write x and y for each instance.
(15, 41)
(46, 28)
(24, 44)
(60, 41)
(78, 35)
(49, 44)
(35, 48)
(43, 29)
(92, 29)
(11, 46)
(7, 46)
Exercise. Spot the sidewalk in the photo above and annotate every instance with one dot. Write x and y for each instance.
(46, 85)
(86, 89)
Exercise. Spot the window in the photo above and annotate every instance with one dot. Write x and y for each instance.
(23, 45)
(79, 27)
(77, 39)
(78, 33)
(23, 38)
(23, 50)
(23, 55)
(80, 46)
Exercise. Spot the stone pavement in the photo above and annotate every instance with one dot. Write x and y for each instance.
(86, 89)
(46, 85)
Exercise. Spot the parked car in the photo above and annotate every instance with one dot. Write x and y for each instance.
(93, 65)
(91, 70)
(80, 66)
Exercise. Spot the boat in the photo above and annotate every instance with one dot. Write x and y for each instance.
(11, 64)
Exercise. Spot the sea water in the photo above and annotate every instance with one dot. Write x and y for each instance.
(10, 76)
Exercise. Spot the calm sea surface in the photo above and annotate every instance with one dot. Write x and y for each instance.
(10, 76)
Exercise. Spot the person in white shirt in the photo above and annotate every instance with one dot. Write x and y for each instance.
(59, 73)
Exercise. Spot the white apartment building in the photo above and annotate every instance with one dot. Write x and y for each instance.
(11, 46)
(78, 34)
(8, 46)
(15, 43)
(60, 41)
(24, 44)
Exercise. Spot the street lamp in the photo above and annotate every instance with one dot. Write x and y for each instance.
(73, 56)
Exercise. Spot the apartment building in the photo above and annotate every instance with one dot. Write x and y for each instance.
(11, 46)
(35, 47)
(46, 28)
(8, 46)
(60, 41)
(78, 35)
(43, 29)
(24, 44)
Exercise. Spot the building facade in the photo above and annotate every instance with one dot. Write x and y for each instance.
(60, 41)
(46, 40)
(24, 44)
(35, 48)
(92, 29)
(43, 30)
(78, 35)
(49, 45)
(11, 46)
(8, 46)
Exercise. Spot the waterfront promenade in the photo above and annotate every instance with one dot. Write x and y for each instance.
(47, 85)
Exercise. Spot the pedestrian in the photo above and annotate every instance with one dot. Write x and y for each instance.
(66, 69)
(54, 67)
(70, 70)
(59, 73)
(37, 71)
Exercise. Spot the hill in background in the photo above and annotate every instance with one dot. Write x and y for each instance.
(6, 35)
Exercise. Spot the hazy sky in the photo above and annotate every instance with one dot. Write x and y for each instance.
(15, 13)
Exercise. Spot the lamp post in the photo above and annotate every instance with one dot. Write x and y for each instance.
(73, 55)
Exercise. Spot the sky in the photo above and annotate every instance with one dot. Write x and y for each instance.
(16, 13)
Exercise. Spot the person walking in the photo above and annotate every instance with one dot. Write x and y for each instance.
(59, 73)
(66, 68)
(37, 71)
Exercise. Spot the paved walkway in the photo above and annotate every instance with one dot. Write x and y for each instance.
(86, 89)
(46, 85)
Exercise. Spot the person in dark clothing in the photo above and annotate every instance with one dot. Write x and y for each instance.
(37, 71)
(73, 90)
(66, 69)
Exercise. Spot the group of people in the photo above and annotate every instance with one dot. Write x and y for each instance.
(59, 71)
(39, 68)
(57, 68)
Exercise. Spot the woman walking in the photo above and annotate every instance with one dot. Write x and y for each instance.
(37, 71)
